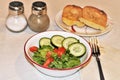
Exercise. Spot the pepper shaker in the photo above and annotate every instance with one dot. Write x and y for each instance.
(39, 21)
(16, 21)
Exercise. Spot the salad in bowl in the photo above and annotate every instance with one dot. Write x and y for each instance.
(57, 53)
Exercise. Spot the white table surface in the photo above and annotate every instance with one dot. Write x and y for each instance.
(13, 65)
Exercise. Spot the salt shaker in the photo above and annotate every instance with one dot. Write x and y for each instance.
(38, 21)
(16, 21)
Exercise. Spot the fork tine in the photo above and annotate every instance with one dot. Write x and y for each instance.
(94, 46)
(97, 46)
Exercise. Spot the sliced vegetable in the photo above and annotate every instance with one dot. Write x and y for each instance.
(44, 41)
(56, 40)
(69, 40)
(48, 61)
(33, 48)
(49, 53)
(77, 49)
(60, 51)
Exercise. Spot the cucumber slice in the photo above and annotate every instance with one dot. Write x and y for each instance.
(56, 40)
(69, 40)
(44, 41)
(77, 49)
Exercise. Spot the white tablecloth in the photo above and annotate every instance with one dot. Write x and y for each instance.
(13, 65)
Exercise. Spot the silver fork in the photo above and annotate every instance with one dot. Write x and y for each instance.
(96, 53)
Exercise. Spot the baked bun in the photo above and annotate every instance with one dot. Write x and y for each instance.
(94, 17)
(71, 15)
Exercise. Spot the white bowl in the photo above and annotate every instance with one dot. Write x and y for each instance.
(33, 41)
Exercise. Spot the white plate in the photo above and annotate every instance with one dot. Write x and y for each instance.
(84, 31)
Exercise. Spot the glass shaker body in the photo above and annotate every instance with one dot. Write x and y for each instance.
(16, 21)
(39, 21)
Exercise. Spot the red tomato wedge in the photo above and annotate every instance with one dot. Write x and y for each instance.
(60, 51)
(48, 61)
(48, 54)
(33, 48)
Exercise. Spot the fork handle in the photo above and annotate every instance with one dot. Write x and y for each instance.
(100, 69)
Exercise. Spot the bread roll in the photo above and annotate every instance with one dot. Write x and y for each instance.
(71, 15)
(94, 17)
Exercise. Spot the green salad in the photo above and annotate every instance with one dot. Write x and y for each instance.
(58, 52)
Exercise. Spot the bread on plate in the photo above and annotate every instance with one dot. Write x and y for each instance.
(71, 15)
(94, 17)
(88, 15)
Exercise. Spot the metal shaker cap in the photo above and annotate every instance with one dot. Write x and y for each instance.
(40, 7)
(16, 6)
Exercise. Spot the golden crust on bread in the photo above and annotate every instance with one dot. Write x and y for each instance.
(71, 15)
(92, 24)
(89, 15)
(95, 16)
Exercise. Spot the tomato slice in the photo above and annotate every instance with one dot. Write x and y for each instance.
(55, 50)
(33, 48)
(60, 51)
(48, 61)
(48, 54)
